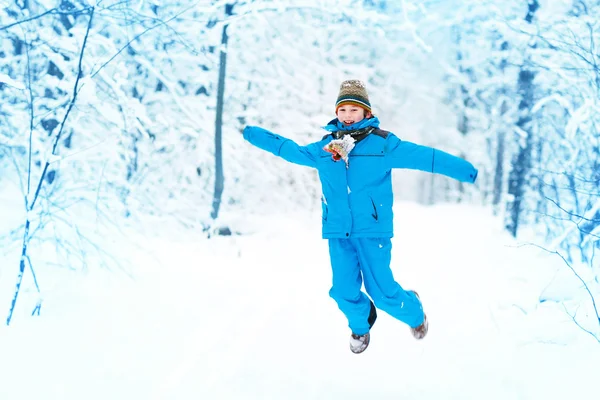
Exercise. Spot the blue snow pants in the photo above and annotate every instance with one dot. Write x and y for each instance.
(367, 260)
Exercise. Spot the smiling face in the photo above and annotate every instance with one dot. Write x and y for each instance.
(350, 114)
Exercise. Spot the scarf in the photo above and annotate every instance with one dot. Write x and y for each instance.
(357, 131)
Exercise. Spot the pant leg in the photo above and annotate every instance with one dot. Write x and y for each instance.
(374, 255)
(347, 284)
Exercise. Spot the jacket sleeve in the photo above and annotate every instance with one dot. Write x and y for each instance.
(401, 154)
(282, 147)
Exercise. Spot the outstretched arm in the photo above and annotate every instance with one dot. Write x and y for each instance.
(280, 146)
(401, 154)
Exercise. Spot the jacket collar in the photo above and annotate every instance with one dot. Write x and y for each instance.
(336, 125)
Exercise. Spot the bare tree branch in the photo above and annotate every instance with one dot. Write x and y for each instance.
(71, 104)
(572, 214)
(142, 34)
(51, 11)
(26, 235)
(587, 289)
(574, 318)
(5, 27)
(31, 118)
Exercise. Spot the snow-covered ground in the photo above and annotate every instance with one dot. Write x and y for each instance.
(249, 317)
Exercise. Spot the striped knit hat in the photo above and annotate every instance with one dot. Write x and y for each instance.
(353, 92)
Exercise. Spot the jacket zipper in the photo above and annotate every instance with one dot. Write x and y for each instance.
(374, 209)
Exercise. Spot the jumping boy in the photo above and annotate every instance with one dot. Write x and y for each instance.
(354, 163)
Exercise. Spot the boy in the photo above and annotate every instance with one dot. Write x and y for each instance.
(354, 163)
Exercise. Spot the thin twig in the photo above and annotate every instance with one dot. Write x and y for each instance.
(32, 273)
(5, 27)
(18, 169)
(576, 274)
(26, 239)
(140, 35)
(570, 213)
(71, 104)
(31, 118)
(579, 325)
(51, 11)
(29, 207)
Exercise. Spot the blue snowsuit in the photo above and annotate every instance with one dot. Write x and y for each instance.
(357, 214)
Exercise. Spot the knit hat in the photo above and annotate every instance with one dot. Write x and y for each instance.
(353, 92)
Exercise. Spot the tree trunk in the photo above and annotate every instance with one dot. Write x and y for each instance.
(499, 171)
(498, 189)
(517, 181)
(521, 163)
(466, 102)
(219, 176)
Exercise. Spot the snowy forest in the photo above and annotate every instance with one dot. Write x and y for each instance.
(119, 115)
(121, 132)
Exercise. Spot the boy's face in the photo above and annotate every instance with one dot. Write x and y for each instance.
(350, 114)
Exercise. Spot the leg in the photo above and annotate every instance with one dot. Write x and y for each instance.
(374, 255)
(347, 282)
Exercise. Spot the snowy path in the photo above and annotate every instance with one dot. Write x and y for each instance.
(250, 318)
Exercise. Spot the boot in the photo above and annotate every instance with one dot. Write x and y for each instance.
(420, 331)
(359, 343)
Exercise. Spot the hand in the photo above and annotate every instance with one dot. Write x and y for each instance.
(340, 148)
(335, 150)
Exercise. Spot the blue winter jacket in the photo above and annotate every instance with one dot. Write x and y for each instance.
(357, 200)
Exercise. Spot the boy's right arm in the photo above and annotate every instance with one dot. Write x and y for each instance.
(282, 147)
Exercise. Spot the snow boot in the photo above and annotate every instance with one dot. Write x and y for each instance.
(359, 343)
(420, 331)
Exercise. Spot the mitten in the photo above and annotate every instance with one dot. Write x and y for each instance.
(340, 148)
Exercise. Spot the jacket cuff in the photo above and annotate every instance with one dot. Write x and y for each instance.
(473, 175)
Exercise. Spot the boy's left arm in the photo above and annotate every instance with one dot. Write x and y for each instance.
(401, 154)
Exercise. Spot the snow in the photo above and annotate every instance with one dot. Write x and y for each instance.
(11, 82)
(248, 317)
